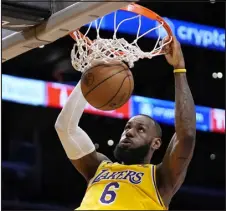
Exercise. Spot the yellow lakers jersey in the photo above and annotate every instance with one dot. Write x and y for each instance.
(123, 187)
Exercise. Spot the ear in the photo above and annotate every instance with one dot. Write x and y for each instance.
(156, 143)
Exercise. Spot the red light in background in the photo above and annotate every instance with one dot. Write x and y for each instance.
(57, 95)
(218, 120)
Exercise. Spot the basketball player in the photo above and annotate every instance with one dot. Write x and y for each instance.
(133, 183)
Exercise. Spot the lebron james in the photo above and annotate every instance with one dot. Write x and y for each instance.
(133, 183)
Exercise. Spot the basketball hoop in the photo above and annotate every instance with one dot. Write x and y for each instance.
(85, 51)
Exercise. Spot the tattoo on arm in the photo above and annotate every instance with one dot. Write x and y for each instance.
(185, 118)
(185, 123)
(180, 150)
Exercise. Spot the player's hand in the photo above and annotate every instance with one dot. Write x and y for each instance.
(174, 54)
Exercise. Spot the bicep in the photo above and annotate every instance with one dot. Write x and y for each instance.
(178, 156)
(88, 164)
(173, 168)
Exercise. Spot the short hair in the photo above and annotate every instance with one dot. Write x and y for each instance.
(157, 126)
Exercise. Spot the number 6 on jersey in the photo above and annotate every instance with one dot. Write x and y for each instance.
(109, 194)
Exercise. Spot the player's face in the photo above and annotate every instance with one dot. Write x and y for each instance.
(137, 132)
(136, 140)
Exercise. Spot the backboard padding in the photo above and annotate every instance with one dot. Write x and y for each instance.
(57, 26)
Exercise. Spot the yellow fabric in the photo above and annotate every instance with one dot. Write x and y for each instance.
(180, 71)
(122, 187)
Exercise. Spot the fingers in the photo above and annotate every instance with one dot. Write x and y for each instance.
(166, 48)
(174, 40)
(165, 39)
(173, 46)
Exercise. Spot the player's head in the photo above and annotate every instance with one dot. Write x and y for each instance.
(140, 138)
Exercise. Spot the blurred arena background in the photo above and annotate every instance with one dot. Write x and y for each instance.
(36, 173)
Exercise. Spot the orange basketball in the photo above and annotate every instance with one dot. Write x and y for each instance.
(107, 86)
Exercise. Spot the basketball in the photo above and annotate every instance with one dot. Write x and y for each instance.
(107, 86)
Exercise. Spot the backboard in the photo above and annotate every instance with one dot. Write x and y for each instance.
(58, 25)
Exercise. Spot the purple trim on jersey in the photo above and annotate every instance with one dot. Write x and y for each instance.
(153, 177)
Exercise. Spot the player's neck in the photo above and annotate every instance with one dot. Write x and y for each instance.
(145, 161)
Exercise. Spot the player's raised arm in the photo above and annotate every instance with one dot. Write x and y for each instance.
(171, 172)
(77, 144)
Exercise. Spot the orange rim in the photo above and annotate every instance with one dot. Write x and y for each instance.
(139, 10)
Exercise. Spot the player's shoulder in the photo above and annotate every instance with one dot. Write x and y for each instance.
(116, 164)
(105, 162)
(145, 165)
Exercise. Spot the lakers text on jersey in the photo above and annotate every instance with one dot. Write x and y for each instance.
(117, 187)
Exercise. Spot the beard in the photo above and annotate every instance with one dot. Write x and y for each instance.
(131, 156)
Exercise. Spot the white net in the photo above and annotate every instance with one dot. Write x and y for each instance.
(85, 52)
